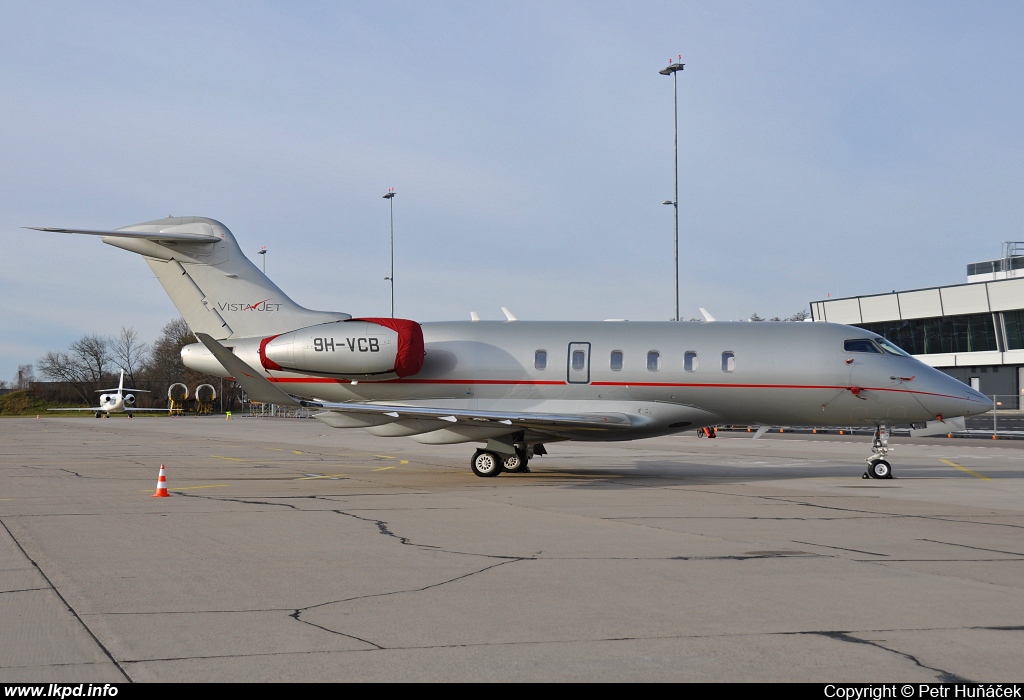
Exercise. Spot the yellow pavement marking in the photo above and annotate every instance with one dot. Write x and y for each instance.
(189, 488)
(965, 469)
(325, 476)
(384, 456)
(403, 461)
(298, 452)
(569, 475)
(233, 459)
(382, 469)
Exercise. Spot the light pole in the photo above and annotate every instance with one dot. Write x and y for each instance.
(264, 254)
(672, 69)
(390, 196)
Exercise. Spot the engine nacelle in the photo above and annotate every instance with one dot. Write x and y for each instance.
(129, 399)
(359, 348)
(107, 398)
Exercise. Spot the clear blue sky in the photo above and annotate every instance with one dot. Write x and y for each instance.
(825, 147)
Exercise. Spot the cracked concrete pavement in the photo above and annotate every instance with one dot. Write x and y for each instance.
(291, 552)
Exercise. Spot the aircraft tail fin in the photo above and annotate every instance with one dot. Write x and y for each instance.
(214, 286)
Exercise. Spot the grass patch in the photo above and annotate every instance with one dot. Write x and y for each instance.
(25, 403)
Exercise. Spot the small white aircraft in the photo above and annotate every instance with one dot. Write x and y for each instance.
(118, 402)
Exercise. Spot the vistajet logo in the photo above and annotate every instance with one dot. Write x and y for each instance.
(264, 305)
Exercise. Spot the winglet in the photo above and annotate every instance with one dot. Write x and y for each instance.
(760, 431)
(255, 385)
(508, 314)
(707, 317)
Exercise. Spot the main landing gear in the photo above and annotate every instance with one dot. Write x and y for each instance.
(878, 467)
(490, 463)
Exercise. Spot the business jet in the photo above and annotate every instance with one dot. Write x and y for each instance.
(117, 402)
(515, 386)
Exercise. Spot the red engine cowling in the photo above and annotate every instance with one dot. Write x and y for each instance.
(359, 348)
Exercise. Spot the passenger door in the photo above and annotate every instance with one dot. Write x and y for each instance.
(578, 363)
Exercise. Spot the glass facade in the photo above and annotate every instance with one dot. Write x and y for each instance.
(990, 266)
(944, 334)
(1014, 329)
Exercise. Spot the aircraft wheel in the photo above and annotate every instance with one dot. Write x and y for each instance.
(516, 463)
(486, 463)
(98, 414)
(880, 469)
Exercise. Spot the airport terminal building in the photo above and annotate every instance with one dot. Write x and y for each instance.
(973, 331)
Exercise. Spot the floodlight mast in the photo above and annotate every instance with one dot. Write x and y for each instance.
(672, 69)
(390, 196)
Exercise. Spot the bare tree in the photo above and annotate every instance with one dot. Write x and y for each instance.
(128, 351)
(62, 367)
(92, 353)
(755, 317)
(800, 315)
(84, 367)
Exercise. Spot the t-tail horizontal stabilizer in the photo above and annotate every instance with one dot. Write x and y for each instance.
(145, 235)
(256, 386)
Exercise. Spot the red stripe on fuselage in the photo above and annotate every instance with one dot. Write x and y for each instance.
(516, 382)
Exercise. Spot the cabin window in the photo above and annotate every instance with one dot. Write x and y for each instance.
(616, 361)
(654, 360)
(690, 361)
(579, 360)
(728, 361)
(540, 359)
(860, 345)
(891, 349)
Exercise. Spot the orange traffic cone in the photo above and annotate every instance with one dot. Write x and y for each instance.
(161, 485)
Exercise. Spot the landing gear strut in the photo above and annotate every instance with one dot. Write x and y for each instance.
(878, 467)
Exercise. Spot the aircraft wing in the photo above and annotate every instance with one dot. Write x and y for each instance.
(522, 419)
(146, 235)
(94, 408)
(259, 389)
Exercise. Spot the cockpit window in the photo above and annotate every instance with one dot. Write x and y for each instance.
(860, 345)
(891, 348)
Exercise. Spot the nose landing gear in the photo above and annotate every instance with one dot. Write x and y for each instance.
(878, 466)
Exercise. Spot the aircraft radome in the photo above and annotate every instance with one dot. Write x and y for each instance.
(516, 386)
(117, 402)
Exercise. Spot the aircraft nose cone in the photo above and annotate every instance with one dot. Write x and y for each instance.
(976, 403)
(950, 397)
(967, 401)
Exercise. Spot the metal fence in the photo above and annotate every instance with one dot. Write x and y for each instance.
(1005, 418)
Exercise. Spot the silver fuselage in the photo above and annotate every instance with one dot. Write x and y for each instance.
(779, 374)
